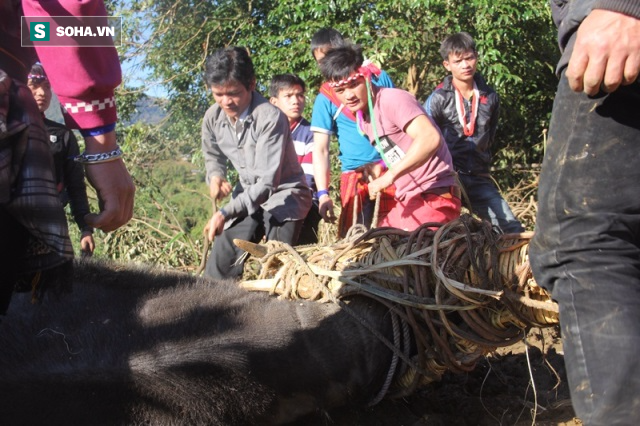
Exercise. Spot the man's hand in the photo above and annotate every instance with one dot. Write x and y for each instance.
(371, 171)
(87, 244)
(113, 185)
(115, 190)
(606, 53)
(214, 226)
(325, 207)
(219, 188)
(380, 184)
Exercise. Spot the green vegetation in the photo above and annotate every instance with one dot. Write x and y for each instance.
(169, 41)
(172, 203)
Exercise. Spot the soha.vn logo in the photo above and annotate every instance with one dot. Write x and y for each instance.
(39, 31)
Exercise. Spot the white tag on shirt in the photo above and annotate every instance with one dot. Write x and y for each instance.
(392, 152)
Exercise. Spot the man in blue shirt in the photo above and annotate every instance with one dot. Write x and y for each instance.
(330, 117)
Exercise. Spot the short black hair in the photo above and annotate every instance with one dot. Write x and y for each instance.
(457, 43)
(326, 37)
(228, 64)
(284, 81)
(341, 62)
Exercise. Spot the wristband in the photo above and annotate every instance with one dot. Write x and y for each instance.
(103, 157)
(322, 192)
(223, 213)
(96, 131)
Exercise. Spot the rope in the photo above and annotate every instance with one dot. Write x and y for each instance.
(463, 193)
(206, 244)
(356, 202)
(458, 291)
(394, 363)
(376, 211)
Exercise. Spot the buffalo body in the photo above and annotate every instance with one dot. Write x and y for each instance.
(134, 346)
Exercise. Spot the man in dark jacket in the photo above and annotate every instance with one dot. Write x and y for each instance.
(466, 110)
(64, 146)
(586, 248)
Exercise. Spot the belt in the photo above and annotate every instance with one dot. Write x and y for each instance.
(445, 191)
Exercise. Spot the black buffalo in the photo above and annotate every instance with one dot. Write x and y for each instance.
(135, 346)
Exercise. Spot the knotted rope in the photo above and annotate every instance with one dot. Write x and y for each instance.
(462, 288)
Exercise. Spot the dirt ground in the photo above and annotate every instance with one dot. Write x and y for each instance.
(498, 392)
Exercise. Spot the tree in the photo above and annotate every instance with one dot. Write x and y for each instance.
(515, 41)
(169, 40)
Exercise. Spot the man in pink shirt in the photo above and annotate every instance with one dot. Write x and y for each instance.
(415, 155)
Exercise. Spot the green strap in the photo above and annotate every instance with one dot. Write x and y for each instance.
(373, 125)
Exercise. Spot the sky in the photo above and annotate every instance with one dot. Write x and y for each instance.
(139, 78)
(132, 71)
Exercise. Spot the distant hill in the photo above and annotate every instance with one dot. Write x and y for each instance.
(149, 110)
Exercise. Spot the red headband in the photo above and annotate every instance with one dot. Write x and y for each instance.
(347, 80)
(366, 70)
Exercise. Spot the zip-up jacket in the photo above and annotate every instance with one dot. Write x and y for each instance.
(471, 154)
(69, 174)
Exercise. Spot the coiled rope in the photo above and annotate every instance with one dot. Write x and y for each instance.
(462, 288)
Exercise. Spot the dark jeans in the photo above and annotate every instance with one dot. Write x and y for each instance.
(309, 231)
(223, 260)
(586, 247)
(487, 202)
